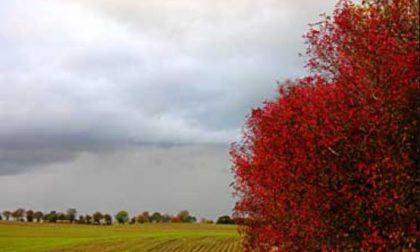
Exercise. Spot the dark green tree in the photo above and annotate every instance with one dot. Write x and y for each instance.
(29, 215)
(190, 219)
(122, 217)
(51, 217)
(225, 219)
(97, 217)
(61, 217)
(156, 218)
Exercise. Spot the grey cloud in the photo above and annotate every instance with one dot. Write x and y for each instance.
(136, 178)
(90, 80)
(23, 160)
(143, 71)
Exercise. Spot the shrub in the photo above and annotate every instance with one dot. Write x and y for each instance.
(333, 163)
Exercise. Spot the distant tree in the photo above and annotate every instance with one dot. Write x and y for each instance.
(29, 215)
(156, 217)
(225, 219)
(61, 217)
(18, 214)
(206, 221)
(15, 215)
(146, 216)
(51, 217)
(132, 220)
(45, 217)
(185, 217)
(97, 217)
(140, 219)
(166, 218)
(108, 219)
(143, 217)
(190, 219)
(122, 217)
(175, 219)
(71, 214)
(7, 214)
(88, 219)
(38, 216)
(81, 220)
(1, 218)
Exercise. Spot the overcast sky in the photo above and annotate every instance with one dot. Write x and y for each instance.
(127, 104)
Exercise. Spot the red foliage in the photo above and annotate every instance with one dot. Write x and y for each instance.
(175, 219)
(333, 163)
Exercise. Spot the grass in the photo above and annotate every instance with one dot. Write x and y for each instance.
(145, 237)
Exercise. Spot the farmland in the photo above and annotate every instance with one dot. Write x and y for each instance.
(138, 237)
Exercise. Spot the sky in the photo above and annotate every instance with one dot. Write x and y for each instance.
(125, 104)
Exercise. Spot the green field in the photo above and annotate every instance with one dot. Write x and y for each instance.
(138, 237)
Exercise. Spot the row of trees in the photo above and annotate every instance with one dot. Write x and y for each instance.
(70, 216)
(156, 217)
(122, 217)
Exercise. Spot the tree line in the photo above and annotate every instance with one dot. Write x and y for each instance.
(98, 218)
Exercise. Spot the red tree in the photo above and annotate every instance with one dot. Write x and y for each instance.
(333, 163)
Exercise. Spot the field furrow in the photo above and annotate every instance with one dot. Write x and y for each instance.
(36, 237)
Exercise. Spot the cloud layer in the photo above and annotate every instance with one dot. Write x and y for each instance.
(135, 179)
(94, 77)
